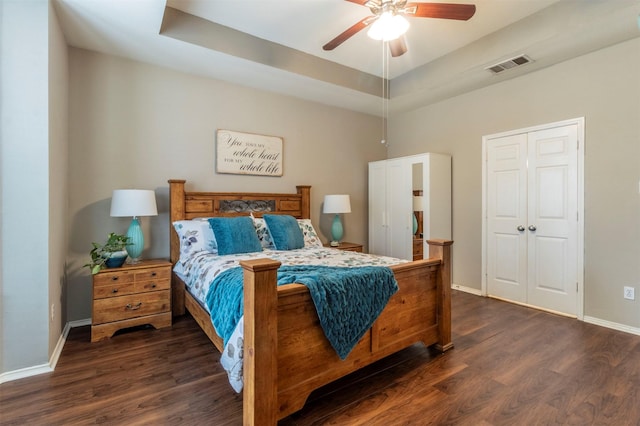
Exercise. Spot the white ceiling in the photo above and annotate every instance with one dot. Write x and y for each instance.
(445, 57)
(307, 25)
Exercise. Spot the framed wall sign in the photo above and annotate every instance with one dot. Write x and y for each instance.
(248, 154)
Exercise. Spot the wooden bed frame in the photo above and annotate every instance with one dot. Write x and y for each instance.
(286, 355)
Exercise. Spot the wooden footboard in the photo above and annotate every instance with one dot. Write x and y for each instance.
(287, 355)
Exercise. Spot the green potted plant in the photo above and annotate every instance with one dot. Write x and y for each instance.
(111, 254)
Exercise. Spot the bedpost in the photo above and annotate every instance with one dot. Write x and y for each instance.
(176, 212)
(260, 393)
(305, 192)
(441, 249)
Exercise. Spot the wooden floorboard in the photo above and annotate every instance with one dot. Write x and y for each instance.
(511, 365)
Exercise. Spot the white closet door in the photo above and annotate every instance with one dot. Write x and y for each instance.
(507, 218)
(378, 207)
(553, 223)
(532, 218)
(399, 203)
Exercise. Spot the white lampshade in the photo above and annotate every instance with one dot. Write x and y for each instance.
(418, 203)
(337, 204)
(133, 202)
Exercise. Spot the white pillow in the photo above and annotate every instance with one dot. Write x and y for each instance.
(311, 238)
(263, 233)
(195, 236)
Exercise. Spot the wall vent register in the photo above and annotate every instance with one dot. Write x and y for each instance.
(509, 63)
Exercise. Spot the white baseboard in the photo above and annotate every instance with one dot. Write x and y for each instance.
(51, 365)
(58, 349)
(25, 372)
(79, 323)
(471, 290)
(591, 320)
(612, 325)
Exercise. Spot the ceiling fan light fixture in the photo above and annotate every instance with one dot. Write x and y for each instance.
(388, 26)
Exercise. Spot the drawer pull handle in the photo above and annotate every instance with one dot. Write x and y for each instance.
(115, 290)
(114, 278)
(153, 274)
(153, 285)
(133, 307)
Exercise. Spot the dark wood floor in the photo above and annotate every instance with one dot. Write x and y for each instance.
(510, 366)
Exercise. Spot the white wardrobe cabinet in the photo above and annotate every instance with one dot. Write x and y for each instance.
(392, 185)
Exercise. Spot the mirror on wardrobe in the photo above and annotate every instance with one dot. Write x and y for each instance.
(418, 210)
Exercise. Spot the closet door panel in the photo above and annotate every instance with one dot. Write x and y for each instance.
(553, 222)
(399, 209)
(377, 208)
(507, 218)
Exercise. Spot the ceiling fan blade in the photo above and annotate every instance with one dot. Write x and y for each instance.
(398, 47)
(349, 32)
(361, 2)
(461, 12)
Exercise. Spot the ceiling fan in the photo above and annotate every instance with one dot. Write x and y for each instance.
(388, 14)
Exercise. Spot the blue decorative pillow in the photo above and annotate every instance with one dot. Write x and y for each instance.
(285, 232)
(235, 235)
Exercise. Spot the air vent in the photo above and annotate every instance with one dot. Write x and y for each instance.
(509, 63)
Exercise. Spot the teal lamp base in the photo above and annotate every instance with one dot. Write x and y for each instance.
(336, 231)
(136, 239)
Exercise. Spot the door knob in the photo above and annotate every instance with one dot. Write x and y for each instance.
(532, 228)
(520, 228)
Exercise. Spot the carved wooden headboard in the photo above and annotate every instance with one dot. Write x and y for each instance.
(187, 205)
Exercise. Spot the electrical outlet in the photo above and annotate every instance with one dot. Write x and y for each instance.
(629, 293)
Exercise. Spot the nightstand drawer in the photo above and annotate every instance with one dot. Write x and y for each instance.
(111, 278)
(135, 305)
(113, 290)
(152, 285)
(153, 274)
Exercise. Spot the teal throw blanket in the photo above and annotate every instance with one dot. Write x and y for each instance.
(348, 300)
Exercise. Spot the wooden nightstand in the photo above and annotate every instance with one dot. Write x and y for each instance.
(347, 246)
(129, 296)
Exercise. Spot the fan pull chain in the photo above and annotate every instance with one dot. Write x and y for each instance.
(385, 92)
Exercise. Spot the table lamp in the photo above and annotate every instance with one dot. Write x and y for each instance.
(134, 203)
(336, 204)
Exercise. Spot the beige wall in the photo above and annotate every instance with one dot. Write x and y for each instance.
(58, 182)
(31, 274)
(137, 125)
(603, 87)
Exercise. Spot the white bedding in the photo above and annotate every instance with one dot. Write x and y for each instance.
(200, 269)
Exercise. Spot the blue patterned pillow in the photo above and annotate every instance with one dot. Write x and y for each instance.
(235, 235)
(285, 232)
